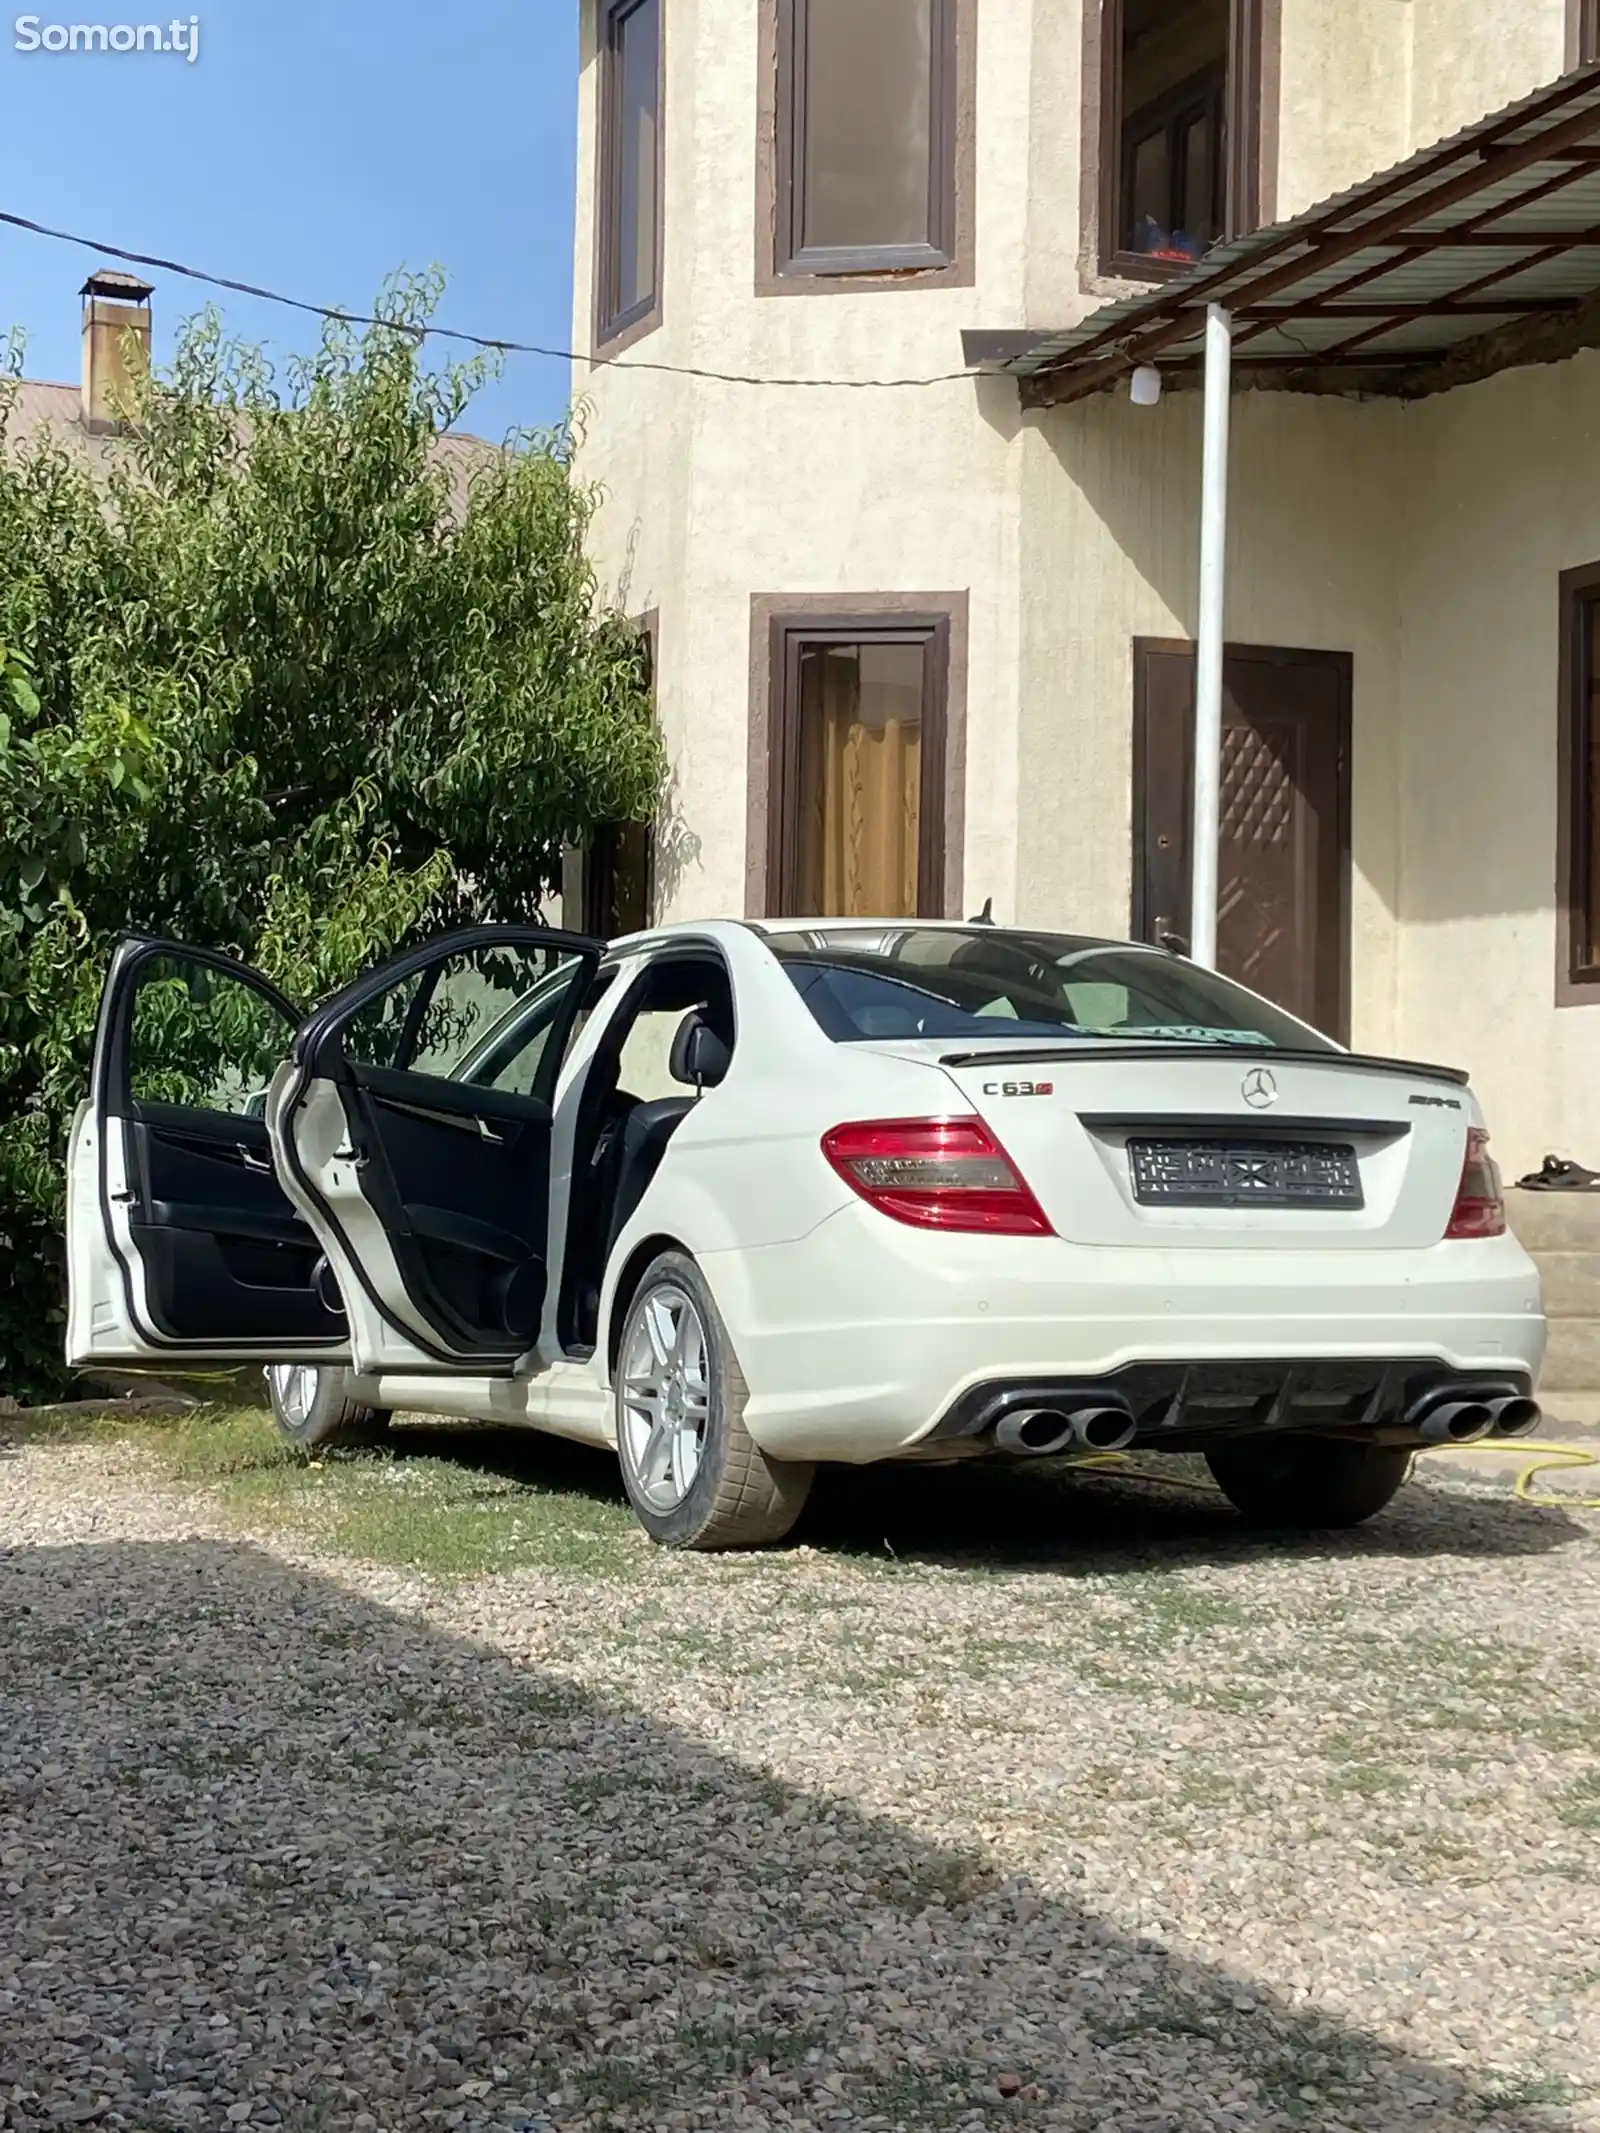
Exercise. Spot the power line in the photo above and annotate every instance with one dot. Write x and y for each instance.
(471, 340)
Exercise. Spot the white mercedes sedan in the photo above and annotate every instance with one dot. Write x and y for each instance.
(738, 1198)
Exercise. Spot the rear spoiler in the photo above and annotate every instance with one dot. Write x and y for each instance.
(1072, 1050)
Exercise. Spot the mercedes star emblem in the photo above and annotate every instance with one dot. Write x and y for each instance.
(1259, 1089)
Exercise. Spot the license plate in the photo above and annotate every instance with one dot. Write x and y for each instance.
(1218, 1173)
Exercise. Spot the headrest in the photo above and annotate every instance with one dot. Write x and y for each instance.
(700, 1058)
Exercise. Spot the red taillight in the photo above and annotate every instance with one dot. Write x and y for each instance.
(1479, 1210)
(936, 1173)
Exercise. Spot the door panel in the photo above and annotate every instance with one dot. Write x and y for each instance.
(181, 1242)
(1282, 906)
(425, 1175)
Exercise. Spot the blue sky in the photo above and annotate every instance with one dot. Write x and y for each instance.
(311, 147)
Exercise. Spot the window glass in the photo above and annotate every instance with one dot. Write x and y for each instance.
(860, 787)
(630, 119)
(988, 982)
(442, 1020)
(375, 1034)
(643, 1070)
(203, 1038)
(675, 988)
(510, 1054)
(1170, 127)
(868, 123)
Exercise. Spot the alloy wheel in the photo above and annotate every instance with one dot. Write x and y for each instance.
(665, 1406)
(294, 1387)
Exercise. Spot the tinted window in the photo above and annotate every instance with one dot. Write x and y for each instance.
(511, 1054)
(866, 146)
(985, 983)
(868, 122)
(202, 1037)
(445, 1018)
(630, 165)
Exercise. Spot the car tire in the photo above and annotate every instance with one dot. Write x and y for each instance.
(1309, 1482)
(693, 1474)
(314, 1412)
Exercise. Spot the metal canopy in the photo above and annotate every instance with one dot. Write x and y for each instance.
(1477, 255)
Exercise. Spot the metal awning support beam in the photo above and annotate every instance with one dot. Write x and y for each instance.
(1243, 283)
(1209, 639)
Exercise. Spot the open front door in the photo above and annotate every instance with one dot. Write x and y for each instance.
(180, 1241)
(412, 1128)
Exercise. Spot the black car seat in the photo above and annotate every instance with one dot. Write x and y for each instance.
(1022, 980)
(700, 1057)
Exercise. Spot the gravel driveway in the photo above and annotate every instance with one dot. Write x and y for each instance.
(1058, 1807)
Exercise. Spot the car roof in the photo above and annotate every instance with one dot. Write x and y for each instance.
(714, 929)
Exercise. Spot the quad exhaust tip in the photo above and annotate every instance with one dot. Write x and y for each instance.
(1036, 1432)
(1516, 1417)
(1456, 1422)
(1461, 1416)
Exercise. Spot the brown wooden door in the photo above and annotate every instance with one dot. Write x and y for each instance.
(1282, 906)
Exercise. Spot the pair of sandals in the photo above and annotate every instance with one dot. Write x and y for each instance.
(1557, 1174)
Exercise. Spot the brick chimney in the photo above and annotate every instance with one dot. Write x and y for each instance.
(116, 343)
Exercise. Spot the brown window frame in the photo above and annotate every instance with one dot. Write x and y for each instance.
(783, 265)
(780, 626)
(1577, 861)
(615, 328)
(1249, 125)
(1583, 32)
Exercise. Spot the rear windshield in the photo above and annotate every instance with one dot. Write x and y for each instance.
(985, 982)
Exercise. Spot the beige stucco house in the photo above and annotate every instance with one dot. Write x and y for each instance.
(927, 642)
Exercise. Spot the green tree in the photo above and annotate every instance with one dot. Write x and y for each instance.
(291, 673)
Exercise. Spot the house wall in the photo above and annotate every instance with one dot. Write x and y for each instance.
(1111, 513)
(1425, 541)
(1498, 501)
(716, 492)
(1468, 59)
(1366, 83)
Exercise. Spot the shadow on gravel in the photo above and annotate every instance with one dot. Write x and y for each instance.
(264, 1843)
(999, 1519)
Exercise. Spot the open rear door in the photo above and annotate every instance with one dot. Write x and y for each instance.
(180, 1241)
(412, 1128)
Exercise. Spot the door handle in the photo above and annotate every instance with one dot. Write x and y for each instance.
(1169, 938)
(252, 1161)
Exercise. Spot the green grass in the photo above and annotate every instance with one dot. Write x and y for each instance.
(406, 1505)
(1580, 1806)
(1535, 2089)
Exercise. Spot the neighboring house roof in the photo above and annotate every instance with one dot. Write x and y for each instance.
(56, 411)
(1478, 254)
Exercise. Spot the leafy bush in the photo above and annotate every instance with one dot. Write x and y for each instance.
(286, 675)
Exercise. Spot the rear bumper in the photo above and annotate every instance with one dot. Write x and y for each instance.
(1188, 1406)
(863, 1340)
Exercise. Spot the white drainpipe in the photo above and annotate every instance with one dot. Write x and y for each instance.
(1209, 638)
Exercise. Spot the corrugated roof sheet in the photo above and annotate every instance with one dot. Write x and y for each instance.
(1478, 253)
